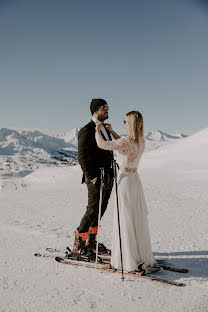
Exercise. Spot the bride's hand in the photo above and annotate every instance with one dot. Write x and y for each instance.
(98, 127)
(109, 127)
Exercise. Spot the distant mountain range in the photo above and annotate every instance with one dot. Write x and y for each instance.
(21, 152)
(154, 139)
(70, 136)
(160, 136)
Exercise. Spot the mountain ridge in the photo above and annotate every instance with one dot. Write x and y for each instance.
(24, 151)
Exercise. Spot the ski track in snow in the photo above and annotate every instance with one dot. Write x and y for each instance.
(45, 212)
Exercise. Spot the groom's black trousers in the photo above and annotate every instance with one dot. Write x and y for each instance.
(90, 218)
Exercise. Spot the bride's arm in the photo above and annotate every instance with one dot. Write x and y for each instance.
(119, 144)
(110, 129)
(143, 146)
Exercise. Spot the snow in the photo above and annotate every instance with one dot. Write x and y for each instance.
(70, 136)
(154, 139)
(161, 136)
(158, 138)
(192, 152)
(43, 209)
(21, 152)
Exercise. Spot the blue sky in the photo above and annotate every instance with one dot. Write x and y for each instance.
(55, 56)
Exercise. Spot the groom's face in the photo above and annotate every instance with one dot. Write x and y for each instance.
(102, 113)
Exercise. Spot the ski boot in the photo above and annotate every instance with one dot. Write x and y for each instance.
(80, 249)
(91, 242)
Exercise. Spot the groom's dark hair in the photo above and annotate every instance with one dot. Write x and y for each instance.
(96, 104)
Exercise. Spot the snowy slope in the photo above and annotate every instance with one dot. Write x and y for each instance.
(23, 151)
(43, 209)
(158, 138)
(45, 140)
(70, 136)
(185, 154)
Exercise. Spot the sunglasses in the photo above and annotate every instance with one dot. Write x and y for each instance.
(105, 107)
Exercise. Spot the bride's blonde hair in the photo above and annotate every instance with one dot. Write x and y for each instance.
(136, 127)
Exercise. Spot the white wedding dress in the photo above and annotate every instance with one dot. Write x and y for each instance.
(135, 238)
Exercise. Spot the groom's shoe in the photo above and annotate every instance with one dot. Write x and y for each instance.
(91, 242)
(80, 249)
(79, 241)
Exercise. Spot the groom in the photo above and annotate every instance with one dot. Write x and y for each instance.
(91, 159)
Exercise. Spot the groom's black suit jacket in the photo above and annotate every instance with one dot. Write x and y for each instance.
(90, 156)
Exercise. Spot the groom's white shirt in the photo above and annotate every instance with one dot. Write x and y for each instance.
(96, 121)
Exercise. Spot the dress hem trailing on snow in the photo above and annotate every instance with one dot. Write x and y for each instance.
(136, 244)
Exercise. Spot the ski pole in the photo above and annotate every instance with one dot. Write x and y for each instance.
(119, 228)
(100, 205)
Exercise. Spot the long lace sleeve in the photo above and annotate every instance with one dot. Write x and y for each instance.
(142, 146)
(119, 144)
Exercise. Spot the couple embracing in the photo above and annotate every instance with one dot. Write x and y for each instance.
(96, 143)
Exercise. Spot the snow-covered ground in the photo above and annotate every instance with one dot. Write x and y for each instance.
(44, 208)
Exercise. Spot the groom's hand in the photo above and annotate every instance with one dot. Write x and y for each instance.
(94, 180)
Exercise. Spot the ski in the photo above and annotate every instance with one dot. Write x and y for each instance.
(52, 250)
(44, 255)
(60, 250)
(55, 250)
(107, 267)
(70, 257)
(163, 263)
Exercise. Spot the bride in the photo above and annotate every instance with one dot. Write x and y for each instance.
(135, 238)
